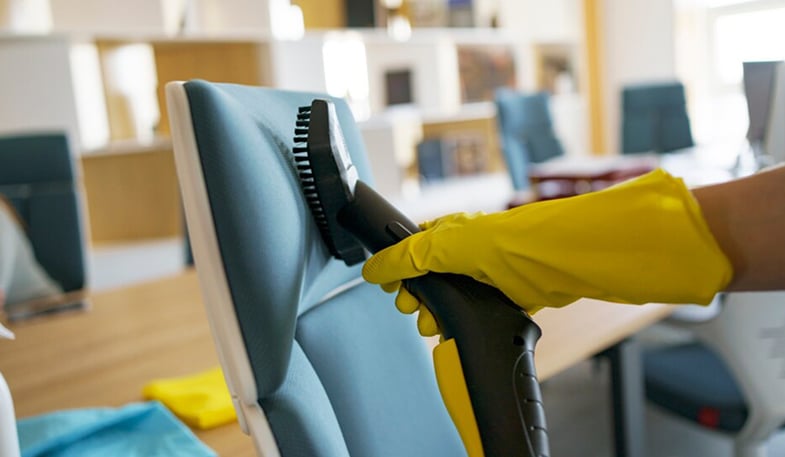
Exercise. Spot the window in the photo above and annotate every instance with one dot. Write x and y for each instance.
(713, 39)
(747, 36)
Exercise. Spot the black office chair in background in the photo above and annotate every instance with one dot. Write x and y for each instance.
(38, 177)
(655, 118)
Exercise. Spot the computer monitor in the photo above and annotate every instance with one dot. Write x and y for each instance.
(759, 87)
(774, 142)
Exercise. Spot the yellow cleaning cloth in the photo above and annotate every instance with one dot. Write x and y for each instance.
(201, 400)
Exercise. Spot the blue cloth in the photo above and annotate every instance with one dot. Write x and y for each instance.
(139, 429)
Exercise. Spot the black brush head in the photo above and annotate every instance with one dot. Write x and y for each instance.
(327, 175)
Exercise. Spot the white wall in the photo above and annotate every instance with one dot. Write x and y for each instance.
(113, 16)
(433, 61)
(236, 16)
(299, 65)
(638, 46)
(543, 21)
(391, 141)
(170, 17)
(55, 85)
(38, 94)
(89, 97)
(25, 15)
(571, 123)
(332, 63)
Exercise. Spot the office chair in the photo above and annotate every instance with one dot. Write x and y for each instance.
(654, 118)
(318, 362)
(535, 157)
(37, 175)
(526, 132)
(732, 377)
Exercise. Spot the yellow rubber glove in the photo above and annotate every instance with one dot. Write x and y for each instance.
(644, 240)
(201, 400)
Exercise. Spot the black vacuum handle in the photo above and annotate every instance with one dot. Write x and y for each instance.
(495, 338)
(495, 342)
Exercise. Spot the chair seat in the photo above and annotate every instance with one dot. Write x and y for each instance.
(692, 381)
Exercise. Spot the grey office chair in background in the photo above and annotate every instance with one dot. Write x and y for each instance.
(318, 362)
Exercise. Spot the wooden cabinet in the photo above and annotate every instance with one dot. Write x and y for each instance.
(132, 194)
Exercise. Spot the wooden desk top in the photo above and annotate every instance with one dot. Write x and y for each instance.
(104, 356)
(586, 327)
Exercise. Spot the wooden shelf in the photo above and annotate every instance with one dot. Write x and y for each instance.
(131, 146)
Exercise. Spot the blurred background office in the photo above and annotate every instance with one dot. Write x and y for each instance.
(423, 78)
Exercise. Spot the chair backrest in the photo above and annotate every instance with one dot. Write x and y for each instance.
(654, 118)
(526, 132)
(37, 175)
(319, 362)
(748, 334)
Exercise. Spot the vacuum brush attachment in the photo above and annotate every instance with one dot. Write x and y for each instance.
(327, 175)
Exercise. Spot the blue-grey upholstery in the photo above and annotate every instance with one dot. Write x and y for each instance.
(37, 176)
(654, 118)
(526, 132)
(348, 375)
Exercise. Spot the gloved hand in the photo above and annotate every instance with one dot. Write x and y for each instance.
(641, 241)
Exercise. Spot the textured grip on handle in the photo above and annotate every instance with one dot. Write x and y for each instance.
(495, 342)
(527, 389)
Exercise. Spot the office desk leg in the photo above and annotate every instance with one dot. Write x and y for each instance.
(628, 399)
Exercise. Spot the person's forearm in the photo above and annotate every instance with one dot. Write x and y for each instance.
(747, 218)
